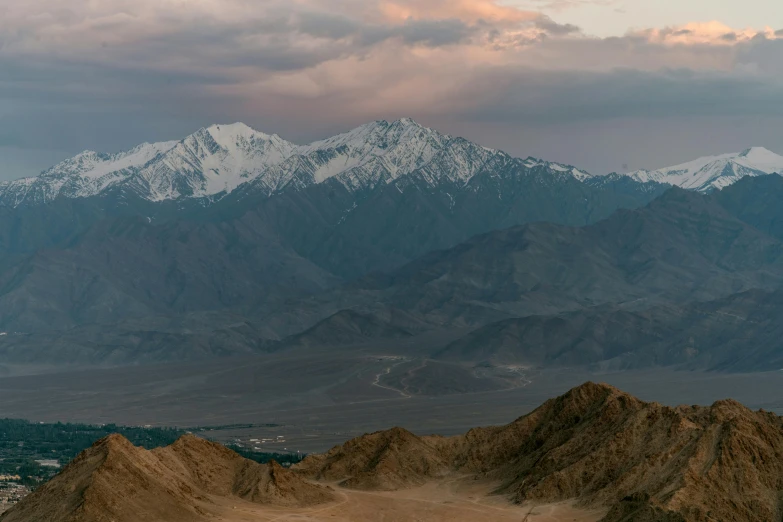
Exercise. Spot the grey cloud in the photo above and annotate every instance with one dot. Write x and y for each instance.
(571, 96)
(763, 56)
(551, 27)
(330, 26)
(436, 32)
(431, 33)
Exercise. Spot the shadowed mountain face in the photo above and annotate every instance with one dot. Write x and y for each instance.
(191, 480)
(756, 201)
(124, 286)
(76, 264)
(682, 247)
(741, 332)
(349, 327)
(129, 268)
(600, 447)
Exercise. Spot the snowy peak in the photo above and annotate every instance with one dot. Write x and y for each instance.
(211, 161)
(238, 136)
(716, 172)
(762, 158)
(234, 131)
(377, 152)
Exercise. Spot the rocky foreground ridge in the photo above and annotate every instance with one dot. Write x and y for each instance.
(595, 445)
(642, 461)
(188, 481)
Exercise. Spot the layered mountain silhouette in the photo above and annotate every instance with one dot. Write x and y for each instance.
(595, 446)
(191, 480)
(126, 287)
(737, 333)
(683, 247)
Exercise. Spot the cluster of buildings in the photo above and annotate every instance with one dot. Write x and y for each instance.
(254, 443)
(11, 491)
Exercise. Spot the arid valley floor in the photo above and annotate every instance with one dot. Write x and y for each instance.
(448, 501)
(311, 402)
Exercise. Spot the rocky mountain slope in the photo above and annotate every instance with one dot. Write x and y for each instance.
(737, 333)
(127, 285)
(190, 481)
(384, 461)
(127, 268)
(682, 247)
(600, 447)
(715, 172)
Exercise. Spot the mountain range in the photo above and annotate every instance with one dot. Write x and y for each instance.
(233, 241)
(85, 243)
(220, 159)
(223, 159)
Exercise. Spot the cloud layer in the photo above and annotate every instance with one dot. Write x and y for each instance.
(107, 74)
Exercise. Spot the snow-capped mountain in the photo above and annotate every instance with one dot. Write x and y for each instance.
(218, 160)
(375, 153)
(715, 172)
(212, 161)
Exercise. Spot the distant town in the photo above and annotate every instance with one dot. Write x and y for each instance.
(11, 491)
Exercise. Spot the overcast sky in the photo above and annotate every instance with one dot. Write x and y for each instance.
(606, 85)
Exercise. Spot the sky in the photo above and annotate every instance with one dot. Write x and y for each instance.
(605, 85)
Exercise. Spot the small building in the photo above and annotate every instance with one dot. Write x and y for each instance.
(49, 463)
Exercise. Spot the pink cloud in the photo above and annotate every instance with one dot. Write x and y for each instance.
(703, 33)
(466, 10)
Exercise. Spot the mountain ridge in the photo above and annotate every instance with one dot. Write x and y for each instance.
(219, 159)
(190, 480)
(595, 445)
(222, 159)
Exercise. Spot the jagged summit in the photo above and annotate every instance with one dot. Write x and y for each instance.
(581, 175)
